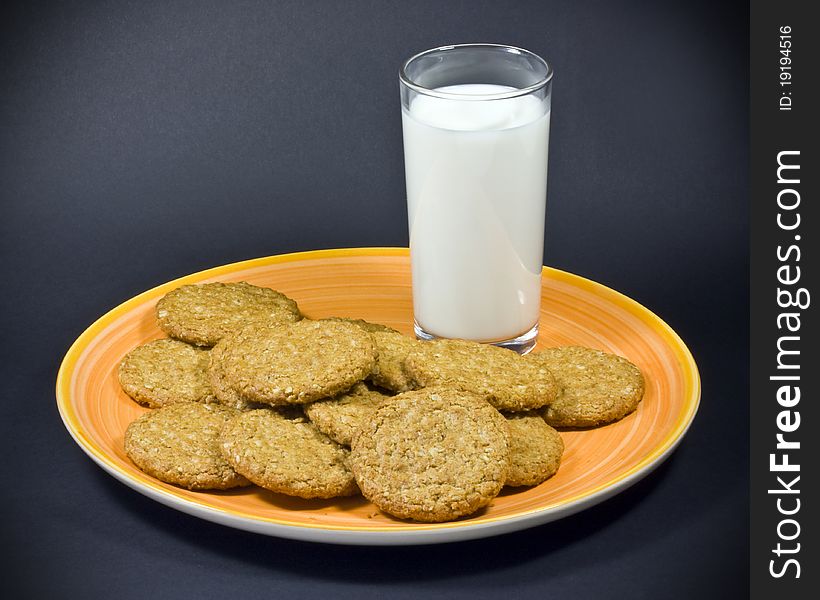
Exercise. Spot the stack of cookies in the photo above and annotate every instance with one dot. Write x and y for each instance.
(246, 391)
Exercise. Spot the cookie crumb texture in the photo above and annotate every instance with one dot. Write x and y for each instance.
(179, 444)
(431, 455)
(596, 387)
(500, 376)
(287, 456)
(296, 363)
(535, 449)
(164, 372)
(203, 314)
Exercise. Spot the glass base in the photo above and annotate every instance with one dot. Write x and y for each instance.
(521, 344)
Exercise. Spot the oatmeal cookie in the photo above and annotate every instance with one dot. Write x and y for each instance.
(595, 387)
(389, 371)
(224, 393)
(179, 444)
(535, 449)
(286, 456)
(295, 363)
(431, 455)
(366, 325)
(339, 417)
(202, 314)
(166, 371)
(500, 376)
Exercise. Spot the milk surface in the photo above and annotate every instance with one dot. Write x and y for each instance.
(476, 195)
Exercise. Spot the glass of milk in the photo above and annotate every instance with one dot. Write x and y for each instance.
(476, 120)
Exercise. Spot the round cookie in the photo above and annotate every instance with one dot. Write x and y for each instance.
(203, 314)
(595, 387)
(296, 363)
(389, 371)
(287, 456)
(165, 371)
(179, 444)
(535, 449)
(366, 325)
(339, 417)
(431, 455)
(506, 380)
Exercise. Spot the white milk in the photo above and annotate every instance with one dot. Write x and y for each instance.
(476, 195)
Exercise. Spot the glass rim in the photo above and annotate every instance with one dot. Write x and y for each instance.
(420, 89)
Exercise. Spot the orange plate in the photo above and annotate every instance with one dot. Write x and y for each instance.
(374, 284)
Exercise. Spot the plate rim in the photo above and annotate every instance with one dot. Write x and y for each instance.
(373, 535)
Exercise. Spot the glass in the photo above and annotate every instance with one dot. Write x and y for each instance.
(475, 121)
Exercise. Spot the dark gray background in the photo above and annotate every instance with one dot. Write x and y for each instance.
(144, 141)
